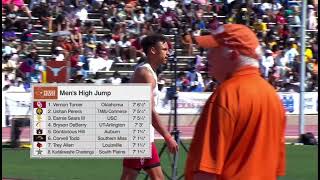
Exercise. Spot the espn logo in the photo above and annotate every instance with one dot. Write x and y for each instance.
(45, 93)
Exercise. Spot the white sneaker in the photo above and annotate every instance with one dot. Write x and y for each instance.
(119, 59)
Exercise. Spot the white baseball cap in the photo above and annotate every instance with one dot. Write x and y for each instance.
(268, 51)
(59, 48)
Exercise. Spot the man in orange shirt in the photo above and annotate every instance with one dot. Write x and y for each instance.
(240, 133)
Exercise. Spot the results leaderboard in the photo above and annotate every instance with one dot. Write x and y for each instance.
(91, 121)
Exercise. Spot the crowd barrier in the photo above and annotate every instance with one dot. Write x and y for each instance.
(19, 103)
(192, 102)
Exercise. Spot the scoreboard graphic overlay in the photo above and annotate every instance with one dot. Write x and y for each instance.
(91, 121)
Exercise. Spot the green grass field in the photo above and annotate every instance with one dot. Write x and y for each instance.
(16, 163)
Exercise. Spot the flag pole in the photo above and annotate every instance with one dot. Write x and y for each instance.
(302, 66)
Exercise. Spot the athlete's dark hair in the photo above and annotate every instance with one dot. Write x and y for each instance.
(151, 41)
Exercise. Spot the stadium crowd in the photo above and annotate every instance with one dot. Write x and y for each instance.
(113, 37)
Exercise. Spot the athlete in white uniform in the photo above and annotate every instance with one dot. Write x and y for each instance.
(155, 92)
(157, 51)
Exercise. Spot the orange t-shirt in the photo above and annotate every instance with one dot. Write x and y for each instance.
(240, 133)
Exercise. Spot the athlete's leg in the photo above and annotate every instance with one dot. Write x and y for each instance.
(152, 166)
(155, 173)
(129, 174)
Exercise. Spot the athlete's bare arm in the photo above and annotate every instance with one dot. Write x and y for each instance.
(143, 75)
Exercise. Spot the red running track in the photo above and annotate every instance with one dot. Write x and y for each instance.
(186, 132)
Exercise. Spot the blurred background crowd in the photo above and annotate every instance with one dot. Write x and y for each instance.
(101, 39)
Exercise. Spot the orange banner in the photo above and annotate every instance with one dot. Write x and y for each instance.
(57, 71)
(45, 93)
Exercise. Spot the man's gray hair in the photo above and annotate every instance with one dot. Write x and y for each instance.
(249, 61)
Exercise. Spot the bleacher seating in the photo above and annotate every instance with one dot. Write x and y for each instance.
(44, 45)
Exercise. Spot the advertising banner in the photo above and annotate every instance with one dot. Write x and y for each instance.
(192, 102)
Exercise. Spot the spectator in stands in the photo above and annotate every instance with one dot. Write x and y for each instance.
(166, 4)
(130, 23)
(7, 64)
(33, 3)
(76, 38)
(198, 63)
(281, 62)
(267, 63)
(82, 13)
(36, 75)
(139, 19)
(314, 74)
(179, 10)
(13, 59)
(34, 54)
(311, 18)
(26, 44)
(90, 40)
(308, 53)
(187, 42)
(200, 24)
(74, 63)
(265, 5)
(43, 12)
(87, 27)
(296, 17)
(182, 82)
(26, 68)
(189, 15)
(198, 12)
(214, 22)
(16, 5)
(314, 47)
(99, 62)
(284, 33)
(58, 55)
(60, 23)
(288, 85)
(9, 50)
(67, 46)
(109, 45)
(117, 34)
(136, 45)
(107, 18)
(280, 18)
(291, 54)
(115, 79)
(260, 28)
(11, 20)
(71, 16)
(108, 62)
(242, 17)
(169, 20)
(84, 63)
(195, 79)
(9, 34)
(125, 50)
